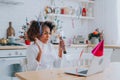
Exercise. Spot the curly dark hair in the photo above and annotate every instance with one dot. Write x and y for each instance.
(50, 24)
(34, 30)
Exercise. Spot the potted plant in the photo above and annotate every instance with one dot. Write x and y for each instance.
(95, 36)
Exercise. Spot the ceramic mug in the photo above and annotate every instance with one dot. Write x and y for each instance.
(11, 39)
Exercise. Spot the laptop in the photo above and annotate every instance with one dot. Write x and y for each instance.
(97, 65)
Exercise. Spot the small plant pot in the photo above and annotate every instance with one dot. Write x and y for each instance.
(94, 40)
(27, 42)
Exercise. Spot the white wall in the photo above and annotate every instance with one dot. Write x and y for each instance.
(17, 14)
(118, 20)
(105, 18)
(111, 21)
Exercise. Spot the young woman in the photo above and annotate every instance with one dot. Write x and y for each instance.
(41, 54)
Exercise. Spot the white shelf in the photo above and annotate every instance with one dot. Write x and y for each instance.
(70, 16)
(84, 1)
(62, 15)
(82, 17)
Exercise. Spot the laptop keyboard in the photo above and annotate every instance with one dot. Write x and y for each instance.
(83, 72)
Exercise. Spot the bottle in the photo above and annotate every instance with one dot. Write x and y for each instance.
(83, 11)
(10, 31)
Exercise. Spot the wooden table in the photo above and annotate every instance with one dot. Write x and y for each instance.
(110, 73)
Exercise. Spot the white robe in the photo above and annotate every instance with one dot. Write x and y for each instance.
(49, 57)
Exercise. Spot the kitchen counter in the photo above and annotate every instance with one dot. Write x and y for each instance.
(92, 45)
(12, 47)
(72, 45)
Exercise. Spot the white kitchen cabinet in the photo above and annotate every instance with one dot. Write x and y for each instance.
(11, 61)
(73, 54)
(116, 55)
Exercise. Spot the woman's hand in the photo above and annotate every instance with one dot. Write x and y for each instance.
(61, 44)
(61, 47)
(40, 51)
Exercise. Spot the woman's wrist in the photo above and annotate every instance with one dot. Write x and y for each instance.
(38, 56)
(60, 52)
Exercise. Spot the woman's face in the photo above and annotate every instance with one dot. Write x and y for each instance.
(45, 34)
